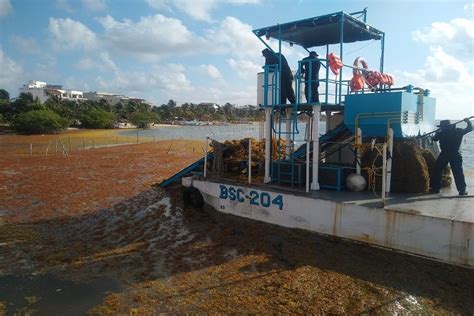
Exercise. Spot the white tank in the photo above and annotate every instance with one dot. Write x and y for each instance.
(261, 90)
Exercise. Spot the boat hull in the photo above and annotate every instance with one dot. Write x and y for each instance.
(442, 239)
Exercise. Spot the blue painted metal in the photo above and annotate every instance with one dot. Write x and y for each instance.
(339, 172)
(382, 53)
(409, 111)
(409, 114)
(363, 12)
(326, 100)
(260, 32)
(198, 165)
(341, 52)
(331, 176)
(299, 32)
(301, 151)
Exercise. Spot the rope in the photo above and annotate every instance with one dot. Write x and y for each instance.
(373, 171)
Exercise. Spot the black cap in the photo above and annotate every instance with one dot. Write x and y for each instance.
(266, 52)
(313, 53)
(444, 123)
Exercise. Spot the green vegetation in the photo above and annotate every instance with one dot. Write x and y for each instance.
(97, 118)
(143, 119)
(39, 122)
(59, 114)
(4, 95)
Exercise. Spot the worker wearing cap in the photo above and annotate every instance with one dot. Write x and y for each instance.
(450, 139)
(286, 86)
(310, 70)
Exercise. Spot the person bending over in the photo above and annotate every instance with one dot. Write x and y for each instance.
(286, 86)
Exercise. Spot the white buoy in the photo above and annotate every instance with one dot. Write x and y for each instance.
(355, 182)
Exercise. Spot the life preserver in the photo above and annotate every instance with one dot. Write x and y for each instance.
(391, 82)
(372, 77)
(359, 61)
(335, 63)
(357, 82)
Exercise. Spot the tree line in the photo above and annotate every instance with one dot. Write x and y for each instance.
(28, 115)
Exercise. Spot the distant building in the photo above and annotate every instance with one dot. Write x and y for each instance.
(43, 91)
(74, 95)
(112, 99)
(210, 106)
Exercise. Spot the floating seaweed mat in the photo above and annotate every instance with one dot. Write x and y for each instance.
(239, 149)
(231, 153)
(430, 159)
(410, 173)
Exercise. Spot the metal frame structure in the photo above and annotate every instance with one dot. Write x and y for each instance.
(335, 28)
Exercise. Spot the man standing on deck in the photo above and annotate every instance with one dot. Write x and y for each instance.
(286, 85)
(450, 139)
(310, 70)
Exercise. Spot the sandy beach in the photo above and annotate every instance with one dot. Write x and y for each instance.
(91, 234)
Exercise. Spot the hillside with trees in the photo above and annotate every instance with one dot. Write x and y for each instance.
(27, 115)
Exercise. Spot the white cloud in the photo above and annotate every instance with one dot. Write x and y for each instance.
(171, 77)
(102, 62)
(71, 34)
(456, 37)
(168, 79)
(235, 94)
(197, 9)
(107, 62)
(157, 36)
(5, 7)
(469, 9)
(94, 5)
(152, 36)
(211, 71)
(11, 73)
(245, 69)
(448, 70)
(235, 37)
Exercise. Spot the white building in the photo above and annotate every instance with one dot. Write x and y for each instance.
(210, 106)
(74, 95)
(112, 99)
(43, 91)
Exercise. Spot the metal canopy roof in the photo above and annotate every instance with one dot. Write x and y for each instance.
(322, 30)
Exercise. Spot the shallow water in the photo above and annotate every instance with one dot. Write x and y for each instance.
(239, 131)
(47, 294)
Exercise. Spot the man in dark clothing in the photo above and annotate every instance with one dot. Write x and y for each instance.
(450, 139)
(286, 86)
(310, 70)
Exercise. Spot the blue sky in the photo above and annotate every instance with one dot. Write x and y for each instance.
(204, 50)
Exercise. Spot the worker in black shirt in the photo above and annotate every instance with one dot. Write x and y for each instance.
(310, 70)
(286, 86)
(450, 139)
